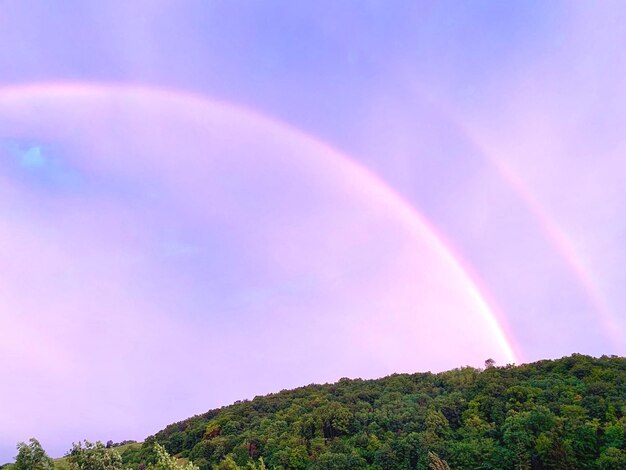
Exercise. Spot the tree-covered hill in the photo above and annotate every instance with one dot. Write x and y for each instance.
(563, 414)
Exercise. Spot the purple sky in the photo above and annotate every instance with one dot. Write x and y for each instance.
(205, 201)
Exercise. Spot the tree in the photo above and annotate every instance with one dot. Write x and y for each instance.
(93, 457)
(335, 419)
(260, 465)
(518, 439)
(436, 463)
(32, 457)
(166, 462)
(228, 464)
(612, 458)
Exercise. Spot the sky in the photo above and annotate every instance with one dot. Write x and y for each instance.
(205, 201)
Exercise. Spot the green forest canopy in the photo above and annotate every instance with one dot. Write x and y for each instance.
(568, 413)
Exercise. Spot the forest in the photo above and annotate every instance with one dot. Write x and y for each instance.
(568, 413)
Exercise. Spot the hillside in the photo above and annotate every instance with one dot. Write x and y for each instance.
(567, 413)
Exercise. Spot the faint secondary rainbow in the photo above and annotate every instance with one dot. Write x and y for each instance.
(563, 245)
(553, 232)
(371, 183)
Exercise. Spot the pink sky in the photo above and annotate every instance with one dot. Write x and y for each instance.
(199, 254)
(205, 201)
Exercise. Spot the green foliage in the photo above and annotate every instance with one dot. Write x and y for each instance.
(568, 413)
(138, 457)
(564, 414)
(227, 464)
(93, 457)
(612, 459)
(32, 457)
(166, 462)
(436, 463)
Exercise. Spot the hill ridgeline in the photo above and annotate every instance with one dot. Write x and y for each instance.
(568, 413)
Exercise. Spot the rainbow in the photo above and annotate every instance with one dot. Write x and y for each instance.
(359, 175)
(555, 235)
